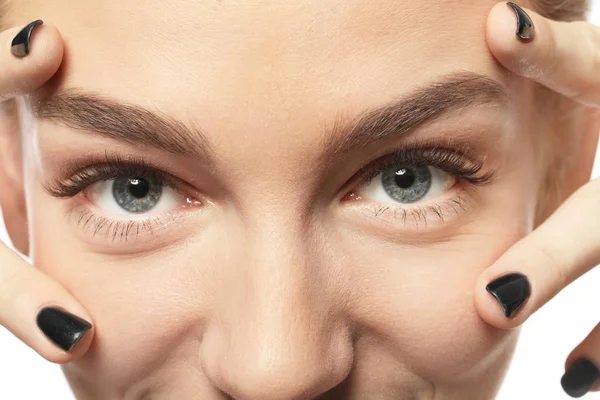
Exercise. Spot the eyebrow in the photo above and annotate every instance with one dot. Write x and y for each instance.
(90, 111)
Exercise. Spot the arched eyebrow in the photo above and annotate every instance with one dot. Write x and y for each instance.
(99, 114)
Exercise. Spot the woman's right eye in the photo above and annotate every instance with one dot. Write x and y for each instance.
(135, 195)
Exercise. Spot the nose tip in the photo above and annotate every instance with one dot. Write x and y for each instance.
(277, 369)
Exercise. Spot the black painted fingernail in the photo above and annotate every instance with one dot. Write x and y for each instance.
(63, 328)
(580, 377)
(511, 291)
(525, 29)
(20, 44)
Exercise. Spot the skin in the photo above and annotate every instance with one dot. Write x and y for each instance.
(274, 287)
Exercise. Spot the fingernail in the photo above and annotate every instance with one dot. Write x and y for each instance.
(580, 377)
(511, 291)
(525, 29)
(63, 328)
(20, 44)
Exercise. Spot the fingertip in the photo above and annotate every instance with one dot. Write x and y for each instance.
(486, 306)
(490, 309)
(501, 25)
(503, 41)
(46, 53)
(64, 340)
(22, 75)
(588, 350)
(81, 347)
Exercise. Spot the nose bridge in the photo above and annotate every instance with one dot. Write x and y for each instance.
(276, 338)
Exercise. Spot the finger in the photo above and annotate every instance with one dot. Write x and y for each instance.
(544, 262)
(564, 56)
(582, 367)
(24, 291)
(20, 75)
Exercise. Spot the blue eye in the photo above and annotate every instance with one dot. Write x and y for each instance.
(134, 195)
(405, 180)
(405, 184)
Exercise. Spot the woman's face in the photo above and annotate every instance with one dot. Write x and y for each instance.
(195, 182)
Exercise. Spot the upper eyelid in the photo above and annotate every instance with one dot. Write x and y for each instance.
(64, 188)
(74, 183)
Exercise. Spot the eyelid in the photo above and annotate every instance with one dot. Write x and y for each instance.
(121, 227)
(456, 158)
(93, 221)
(459, 200)
(137, 237)
(88, 172)
(460, 151)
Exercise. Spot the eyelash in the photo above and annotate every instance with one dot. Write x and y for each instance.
(454, 158)
(451, 156)
(453, 161)
(112, 167)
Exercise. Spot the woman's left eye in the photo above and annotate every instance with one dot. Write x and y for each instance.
(134, 195)
(405, 184)
(406, 179)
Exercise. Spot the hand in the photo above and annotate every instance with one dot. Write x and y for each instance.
(25, 290)
(565, 57)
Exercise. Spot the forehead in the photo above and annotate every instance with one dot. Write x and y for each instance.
(293, 63)
(288, 42)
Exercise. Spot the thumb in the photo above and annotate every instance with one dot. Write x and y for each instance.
(539, 266)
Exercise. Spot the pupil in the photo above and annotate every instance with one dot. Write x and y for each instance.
(138, 188)
(404, 178)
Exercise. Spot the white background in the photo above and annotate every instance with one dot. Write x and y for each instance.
(546, 340)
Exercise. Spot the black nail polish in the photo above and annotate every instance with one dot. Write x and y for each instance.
(20, 44)
(511, 291)
(525, 29)
(581, 376)
(63, 328)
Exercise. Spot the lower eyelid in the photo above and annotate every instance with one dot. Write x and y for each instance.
(96, 225)
(453, 204)
(89, 220)
(132, 237)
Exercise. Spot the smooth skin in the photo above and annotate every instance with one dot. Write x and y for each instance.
(564, 57)
(413, 341)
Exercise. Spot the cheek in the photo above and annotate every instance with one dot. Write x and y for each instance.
(420, 299)
(147, 315)
(141, 306)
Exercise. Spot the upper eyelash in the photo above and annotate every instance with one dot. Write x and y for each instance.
(113, 167)
(459, 160)
(451, 156)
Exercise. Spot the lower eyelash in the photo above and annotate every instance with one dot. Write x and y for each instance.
(121, 230)
(420, 212)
